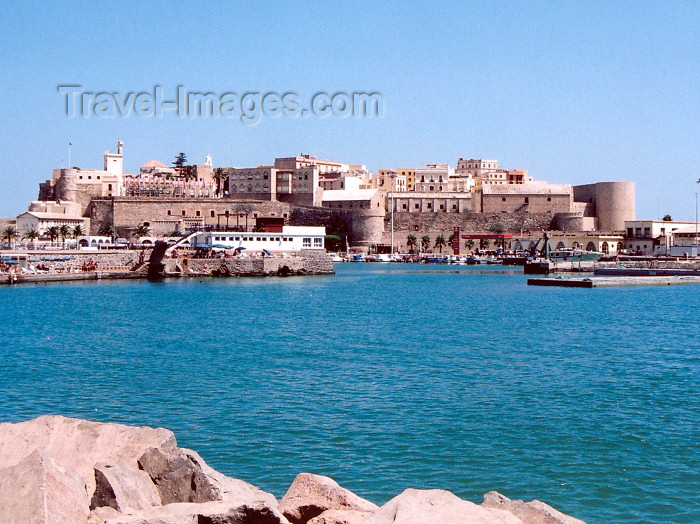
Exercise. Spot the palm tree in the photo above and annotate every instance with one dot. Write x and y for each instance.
(64, 231)
(190, 173)
(107, 231)
(9, 233)
(469, 244)
(411, 242)
(53, 233)
(219, 175)
(32, 236)
(142, 230)
(440, 242)
(425, 242)
(78, 231)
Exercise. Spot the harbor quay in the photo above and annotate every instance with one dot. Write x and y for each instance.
(32, 267)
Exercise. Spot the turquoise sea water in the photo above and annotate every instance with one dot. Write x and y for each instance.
(385, 377)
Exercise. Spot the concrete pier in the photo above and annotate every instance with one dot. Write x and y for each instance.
(614, 281)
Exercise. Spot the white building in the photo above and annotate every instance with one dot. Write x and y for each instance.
(433, 178)
(43, 215)
(658, 237)
(291, 238)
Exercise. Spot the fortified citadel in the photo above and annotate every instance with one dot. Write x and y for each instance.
(303, 190)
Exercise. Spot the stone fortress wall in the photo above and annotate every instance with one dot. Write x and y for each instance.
(602, 206)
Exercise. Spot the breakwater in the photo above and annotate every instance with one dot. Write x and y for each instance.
(71, 471)
(130, 265)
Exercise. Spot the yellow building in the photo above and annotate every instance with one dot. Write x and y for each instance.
(410, 175)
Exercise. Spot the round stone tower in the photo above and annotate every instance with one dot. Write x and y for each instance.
(614, 202)
(66, 187)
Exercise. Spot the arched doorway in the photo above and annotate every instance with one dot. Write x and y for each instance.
(606, 248)
(590, 246)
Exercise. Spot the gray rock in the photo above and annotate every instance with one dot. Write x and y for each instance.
(39, 489)
(79, 443)
(123, 488)
(310, 495)
(230, 489)
(177, 476)
(534, 512)
(437, 506)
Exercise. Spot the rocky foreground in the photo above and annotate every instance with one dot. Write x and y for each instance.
(57, 470)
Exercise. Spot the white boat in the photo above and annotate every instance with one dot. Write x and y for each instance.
(335, 257)
(382, 258)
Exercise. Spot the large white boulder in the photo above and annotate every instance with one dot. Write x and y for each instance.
(437, 506)
(310, 495)
(80, 443)
(534, 512)
(40, 489)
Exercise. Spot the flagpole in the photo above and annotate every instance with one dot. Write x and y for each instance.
(69, 144)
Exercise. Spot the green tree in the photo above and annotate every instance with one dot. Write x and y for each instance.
(190, 173)
(65, 231)
(180, 164)
(440, 242)
(53, 232)
(411, 242)
(78, 231)
(333, 243)
(9, 234)
(142, 230)
(497, 227)
(219, 175)
(667, 218)
(469, 244)
(425, 242)
(107, 231)
(32, 235)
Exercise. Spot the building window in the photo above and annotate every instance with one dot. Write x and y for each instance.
(213, 214)
(169, 212)
(503, 199)
(318, 242)
(549, 199)
(306, 242)
(430, 206)
(404, 206)
(416, 206)
(527, 200)
(183, 212)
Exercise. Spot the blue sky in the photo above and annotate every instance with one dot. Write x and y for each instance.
(575, 92)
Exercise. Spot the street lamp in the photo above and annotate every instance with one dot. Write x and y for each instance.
(391, 188)
(696, 222)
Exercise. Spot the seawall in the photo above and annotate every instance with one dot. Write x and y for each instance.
(71, 471)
